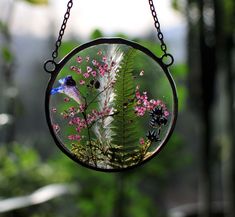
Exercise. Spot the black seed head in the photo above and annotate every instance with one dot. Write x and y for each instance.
(97, 85)
(92, 82)
(152, 123)
(158, 111)
(163, 120)
(158, 121)
(152, 136)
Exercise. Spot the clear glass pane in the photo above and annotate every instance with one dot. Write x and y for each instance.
(111, 106)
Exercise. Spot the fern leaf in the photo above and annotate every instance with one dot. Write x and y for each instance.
(125, 125)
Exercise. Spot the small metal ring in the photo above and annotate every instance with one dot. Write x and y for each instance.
(70, 4)
(160, 36)
(66, 16)
(167, 59)
(50, 66)
(164, 47)
(55, 54)
(157, 24)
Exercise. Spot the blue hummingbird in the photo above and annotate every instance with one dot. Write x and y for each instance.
(68, 87)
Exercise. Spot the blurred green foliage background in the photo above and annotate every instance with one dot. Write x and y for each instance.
(197, 165)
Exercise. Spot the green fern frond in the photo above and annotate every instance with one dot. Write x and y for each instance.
(125, 124)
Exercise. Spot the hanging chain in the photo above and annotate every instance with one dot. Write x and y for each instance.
(62, 29)
(49, 66)
(160, 36)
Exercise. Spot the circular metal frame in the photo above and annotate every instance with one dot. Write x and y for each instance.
(134, 45)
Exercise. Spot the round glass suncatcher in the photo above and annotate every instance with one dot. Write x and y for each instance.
(111, 104)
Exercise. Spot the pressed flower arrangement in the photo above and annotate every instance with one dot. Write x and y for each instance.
(101, 106)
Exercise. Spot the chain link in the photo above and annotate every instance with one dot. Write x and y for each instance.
(160, 34)
(62, 30)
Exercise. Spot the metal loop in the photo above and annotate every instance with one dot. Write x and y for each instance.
(64, 24)
(164, 47)
(50, 66)
(58, 43)
(70, 4)
(160, 36)
(61, 33)
(157, 25)
(167, 59)
(66, 16)
(55, 54)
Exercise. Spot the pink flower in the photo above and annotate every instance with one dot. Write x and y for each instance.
(166, 113)
(74, 137)
(104, 58)
(89, 69)
(105, 67)
(82, 107)
(93, 73)
(56, 127)
(102, 71)
(137, 94)
(71, 114)
(95, 112)
(99, 53)
(79, 59)
(65, 115)
(143, 104)
(73, 68)
(142, 142)
(90, 118)
(86, 75)
(54, 110)
(79, 71)
(66, 99)
(140, 111)
(142, 73)
(78, 129)
(82, 82)
(94, 62)
(75, 121)
(82, 124)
